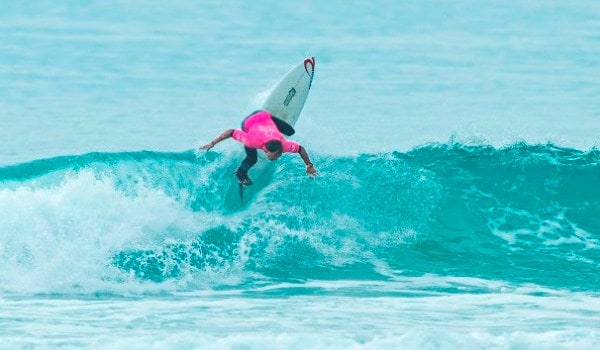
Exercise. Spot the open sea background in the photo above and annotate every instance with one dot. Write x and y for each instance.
(457, 203)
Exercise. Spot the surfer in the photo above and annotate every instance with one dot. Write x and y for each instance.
(261, 130)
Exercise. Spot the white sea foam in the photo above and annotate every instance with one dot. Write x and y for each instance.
(221, 320)
(61, 238)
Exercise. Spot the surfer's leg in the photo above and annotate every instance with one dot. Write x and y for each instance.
(247, 163)
(251, 158)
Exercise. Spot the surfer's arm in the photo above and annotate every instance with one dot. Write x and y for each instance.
(225, 135)
(310, 169)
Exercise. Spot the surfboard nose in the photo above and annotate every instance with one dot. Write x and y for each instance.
(287, 99)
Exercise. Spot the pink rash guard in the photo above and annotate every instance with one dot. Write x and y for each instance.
(259, 129)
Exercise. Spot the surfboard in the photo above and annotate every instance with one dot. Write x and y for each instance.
(285, 102)
(287, 98)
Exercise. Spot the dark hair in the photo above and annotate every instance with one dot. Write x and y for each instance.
(274, 146)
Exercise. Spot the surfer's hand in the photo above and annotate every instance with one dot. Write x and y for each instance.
(208, 146)
(310, 169)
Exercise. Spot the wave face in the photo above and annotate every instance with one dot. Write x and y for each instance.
(145, 221)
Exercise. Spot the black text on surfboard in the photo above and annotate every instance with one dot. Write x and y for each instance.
(289, 97)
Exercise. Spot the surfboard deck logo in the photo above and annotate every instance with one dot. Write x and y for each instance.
(289, 97)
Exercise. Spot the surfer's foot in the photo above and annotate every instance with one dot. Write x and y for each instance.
(243, 178)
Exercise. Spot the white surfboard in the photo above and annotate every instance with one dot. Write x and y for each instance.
(287, 98)
(285, 102)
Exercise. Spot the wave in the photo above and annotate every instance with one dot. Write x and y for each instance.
(523, 214)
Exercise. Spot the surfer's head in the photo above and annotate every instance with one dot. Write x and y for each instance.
(274, 148)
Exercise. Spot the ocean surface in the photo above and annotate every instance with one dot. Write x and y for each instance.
(457, 204)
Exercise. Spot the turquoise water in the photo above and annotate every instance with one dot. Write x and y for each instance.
(457, 203)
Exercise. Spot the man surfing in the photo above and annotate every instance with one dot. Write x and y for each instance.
(260, 131)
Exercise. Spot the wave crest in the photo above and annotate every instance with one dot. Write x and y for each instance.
(524, 213)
